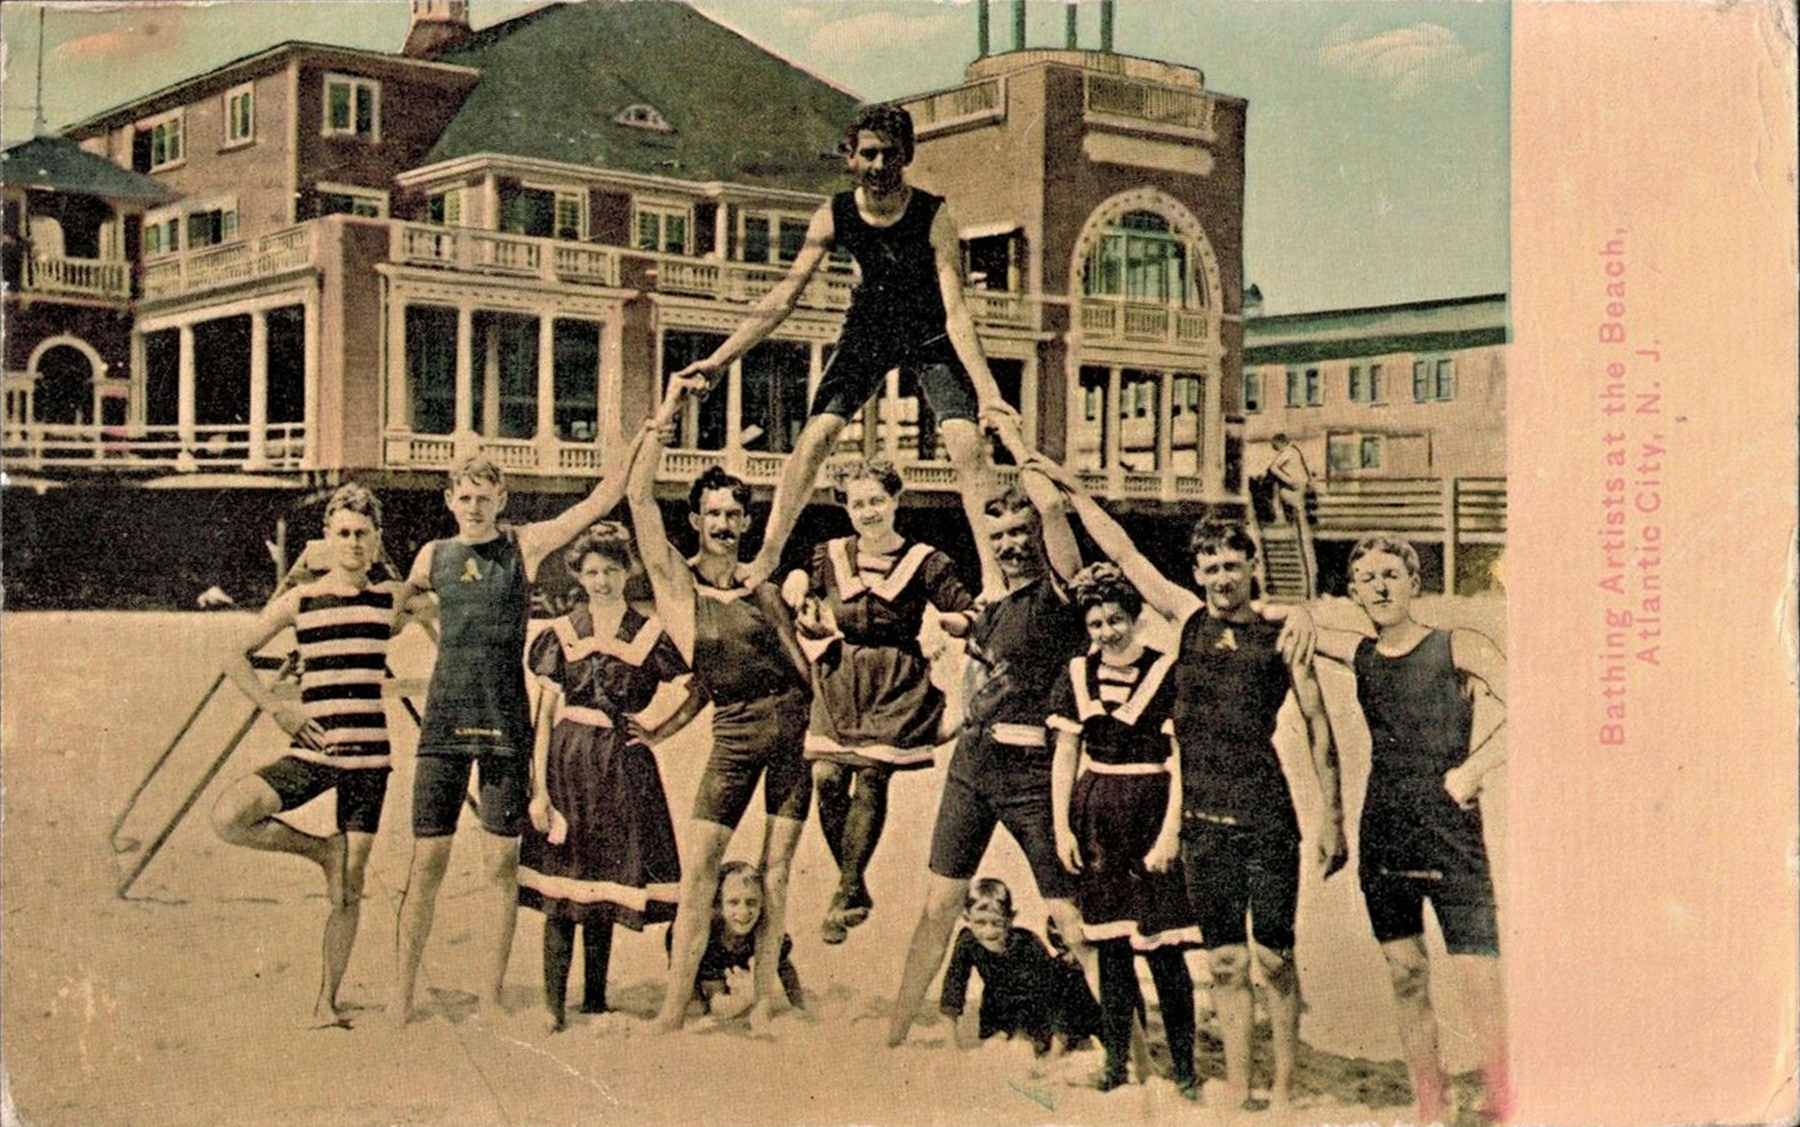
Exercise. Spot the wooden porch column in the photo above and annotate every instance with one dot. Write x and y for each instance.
(255, 456)
(490, 382)
(465, 378)
(309, 336)
(734, 418)
(1209, 433)
(546, 392)
(815, 368)
(1113, 450)
(399, 416)
(1165, 429)
(1451, 534)
(890, 417)
(134, 411)
(184, 388)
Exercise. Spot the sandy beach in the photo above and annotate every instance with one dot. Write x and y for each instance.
(188, 1003)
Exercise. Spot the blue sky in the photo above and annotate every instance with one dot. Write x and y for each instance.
(1377, 138)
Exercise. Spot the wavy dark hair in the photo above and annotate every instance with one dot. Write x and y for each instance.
(607, 539)
(1101, 583)
(354, 498)
(878, 470)
(1216, 534)
(887, 120)
(717, 478)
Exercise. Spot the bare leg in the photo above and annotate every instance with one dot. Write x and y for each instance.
(1283, 981)
(1069, 924)
(1233, 1005)
(779, 840)
(700, 855)
(345, 895)
(944, 897)
(500, 861)
(794, 490)
(245, 815)
(968, 453)
(418, 904)
(1409, 972)
(1483, 993)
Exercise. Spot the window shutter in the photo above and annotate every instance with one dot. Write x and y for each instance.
(1420, 391)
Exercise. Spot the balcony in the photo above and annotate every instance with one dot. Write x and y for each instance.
(1149, 106)
(77, 445)
(77, 277)
(744, 282)
(961, 107)
(230, 264)
(1112, 321)
(490, 252)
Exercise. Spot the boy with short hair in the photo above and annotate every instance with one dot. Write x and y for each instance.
(1025, 989)
(1421, 836)
(342, 623)
(908, 312)
(477, 715)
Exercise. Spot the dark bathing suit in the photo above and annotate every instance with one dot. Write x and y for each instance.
(476, 710)
(1240, 837)
(1415, 842)
(896, 317)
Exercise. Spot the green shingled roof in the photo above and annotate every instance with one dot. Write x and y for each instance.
(553, 81)
(64, 166)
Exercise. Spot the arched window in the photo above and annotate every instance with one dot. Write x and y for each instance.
(641, 115)
(1140, 259)
(65, 387)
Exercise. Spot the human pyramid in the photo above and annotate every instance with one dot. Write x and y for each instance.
(1143, 787)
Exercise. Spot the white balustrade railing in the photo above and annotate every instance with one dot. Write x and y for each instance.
(1110, 319)
(975, 103)
(1153, 104)
(230, 264)
(35, 445)
(493, 252)
(79, 277)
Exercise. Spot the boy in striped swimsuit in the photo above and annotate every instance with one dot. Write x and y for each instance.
(342, 623)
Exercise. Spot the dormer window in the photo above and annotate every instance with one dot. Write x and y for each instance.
(352, 107)
(158, 143)
(644, 116)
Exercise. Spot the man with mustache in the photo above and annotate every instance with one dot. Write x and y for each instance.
(1019, 647)
(907, 313)
(740, 643)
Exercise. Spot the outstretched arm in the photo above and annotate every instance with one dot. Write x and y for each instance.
(766, 314)
(1332, 853)
(1060, 546)
(538, 539)
(1171, 600)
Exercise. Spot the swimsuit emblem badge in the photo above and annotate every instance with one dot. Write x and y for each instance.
(471, 572)
(1227, 640)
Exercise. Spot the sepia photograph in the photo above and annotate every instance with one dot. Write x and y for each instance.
(818, 562)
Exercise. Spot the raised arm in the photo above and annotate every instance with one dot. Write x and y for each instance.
(767, 314)
(670, 583)
(276, 617)
(1060, 546)
(540, 538)
(961, 326)
(1330, 850)
(1171, 600)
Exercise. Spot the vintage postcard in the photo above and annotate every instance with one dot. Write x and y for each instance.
(822, 562)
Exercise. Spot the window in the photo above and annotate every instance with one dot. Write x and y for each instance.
(756, 238)
(990, 261)
(1340, 453)
(1253, 393)
(772, 237)
(1187, 395)
(792, 238)
(576, 378)
(162, 236)
(240, 115)
(1303, 388)
(643, 116)
(352, 107)
(1359, 391)
(543, 212)
(1434, 380)
(569, 208)
(1094, 401)
(159, 143)
(347, 199)
(212, 226)
(662, 228)
(445, 208)
(1141, 260)
(1371, 452)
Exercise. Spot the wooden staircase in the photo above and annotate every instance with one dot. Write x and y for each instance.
(1284, 572)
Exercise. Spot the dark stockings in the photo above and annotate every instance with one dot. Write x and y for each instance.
(852, 818)
(1120, 1000)
(559, 955)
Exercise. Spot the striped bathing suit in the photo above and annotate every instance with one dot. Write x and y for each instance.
(343, 638)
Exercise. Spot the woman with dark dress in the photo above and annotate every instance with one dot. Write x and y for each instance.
(875, 710)
(601, 847)
(1118, 825)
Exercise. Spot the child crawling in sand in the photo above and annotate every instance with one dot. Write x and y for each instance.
(723, 985)
(1025, 989)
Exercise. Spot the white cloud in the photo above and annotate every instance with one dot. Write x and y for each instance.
(883, 31)
(1405, 61)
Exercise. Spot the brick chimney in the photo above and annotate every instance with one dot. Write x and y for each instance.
(437, 25)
